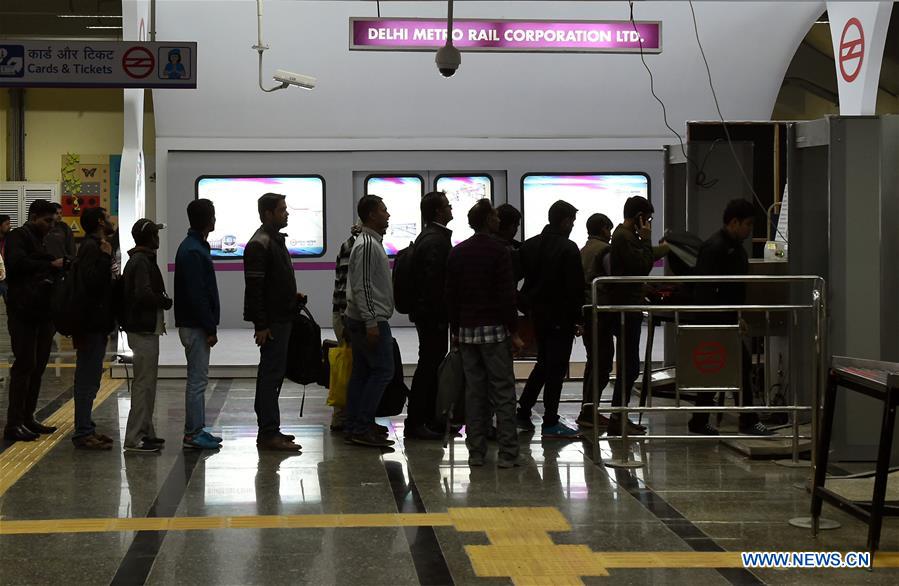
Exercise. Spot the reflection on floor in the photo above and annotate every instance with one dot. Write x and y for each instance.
(339, 514)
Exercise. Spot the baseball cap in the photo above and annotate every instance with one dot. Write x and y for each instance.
(144, 226)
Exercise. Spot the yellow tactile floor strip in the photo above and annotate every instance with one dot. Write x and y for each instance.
(520, 547)
(20, 457)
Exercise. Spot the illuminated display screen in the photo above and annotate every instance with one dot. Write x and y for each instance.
(590, 194)
(237, 212)
(402, 195)
(463, 191)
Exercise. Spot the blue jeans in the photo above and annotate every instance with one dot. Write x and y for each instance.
(372, 372)
(196, 350)
(270, 377)
(89, 352)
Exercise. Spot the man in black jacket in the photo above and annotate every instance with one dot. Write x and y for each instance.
(92, 285)
(553, 296)
(509, 222)
(432, 248)
(30, 273)
(723, 254)
(60, 242)
(270, 303)
(145, 300)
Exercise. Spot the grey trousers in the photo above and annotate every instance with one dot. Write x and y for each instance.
(143, 388)
(489, 382)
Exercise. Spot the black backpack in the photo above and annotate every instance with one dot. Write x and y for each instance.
(404, 291)
(304, 358)
(63, 302)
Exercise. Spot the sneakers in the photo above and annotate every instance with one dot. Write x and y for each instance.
(219, 439)
(520, 460)
(758, 429)
(523, 420)
(200, 441)
(585, 420)
(476, 460)
(277, 443)
(614, 427)
(560, 431)
(91, 442)
(421, 432)
(155, 441)
(705, 429)
(369, 439)
(143, 448)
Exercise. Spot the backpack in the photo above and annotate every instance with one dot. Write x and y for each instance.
(63, 302)
(304, 362)
(404, 290)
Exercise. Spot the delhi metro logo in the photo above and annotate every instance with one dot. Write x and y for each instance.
(138, 62)
(709, 357)
(852, 50)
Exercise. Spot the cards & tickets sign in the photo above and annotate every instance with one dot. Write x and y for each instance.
(64, 63)
(412, 34)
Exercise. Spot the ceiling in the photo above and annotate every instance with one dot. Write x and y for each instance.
(61, 18)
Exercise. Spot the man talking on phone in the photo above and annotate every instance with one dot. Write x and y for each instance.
(630, 255)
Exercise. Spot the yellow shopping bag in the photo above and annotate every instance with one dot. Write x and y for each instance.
(341, 359)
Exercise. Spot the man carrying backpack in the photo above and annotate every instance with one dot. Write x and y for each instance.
(92, 300)
(595, 260)
(144, 300)
(429, 313)
(30, 273)
(197, 317)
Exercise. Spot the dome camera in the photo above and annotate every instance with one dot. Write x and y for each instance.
(448, 60)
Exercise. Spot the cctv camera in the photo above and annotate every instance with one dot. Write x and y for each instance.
(448, 60)
(289, 78)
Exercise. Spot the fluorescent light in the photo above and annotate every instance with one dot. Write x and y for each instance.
(103, 27)
(88, 16)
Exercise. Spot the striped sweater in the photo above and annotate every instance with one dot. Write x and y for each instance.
(369, 284)
(340, 276)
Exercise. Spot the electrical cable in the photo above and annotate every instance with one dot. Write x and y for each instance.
(730, 141)
(379, 8)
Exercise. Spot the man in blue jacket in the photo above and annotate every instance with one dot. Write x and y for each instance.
(197, 317)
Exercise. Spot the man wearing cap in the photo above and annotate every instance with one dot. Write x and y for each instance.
(270, 303)
(145, 300)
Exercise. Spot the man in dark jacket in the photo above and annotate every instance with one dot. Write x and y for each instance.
(630, 255)
(723, 254)
(60, 242)
(30, 273)
(145, 300)
(509, 222)
(270, 303)
(432, 247)
(480, 292)
(197, 317)
(92, 287)
(553, 296)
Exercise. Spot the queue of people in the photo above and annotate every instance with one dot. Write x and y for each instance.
(466, 298)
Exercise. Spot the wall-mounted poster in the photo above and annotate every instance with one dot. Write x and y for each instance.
(237, 215)
(402, 195)
(589, 193)
(89, 181)
(463, 191)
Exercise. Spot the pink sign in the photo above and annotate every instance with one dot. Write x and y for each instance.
(413, 34)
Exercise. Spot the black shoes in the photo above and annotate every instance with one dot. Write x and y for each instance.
(39, 429)
(369, 438)
(19, 433)
(704, 429)
(422, 432)
(523, 420)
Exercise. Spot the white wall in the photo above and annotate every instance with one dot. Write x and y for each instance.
(400, 96)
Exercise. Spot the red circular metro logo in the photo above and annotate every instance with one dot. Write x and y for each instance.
(709, 357)
(852, 50)
(138, 62)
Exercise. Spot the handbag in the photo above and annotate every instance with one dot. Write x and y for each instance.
(341, 360)
(451, 388)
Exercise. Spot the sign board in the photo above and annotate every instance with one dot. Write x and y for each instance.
(858, 32)
(66, 63)
(415, 34)
(709, 356)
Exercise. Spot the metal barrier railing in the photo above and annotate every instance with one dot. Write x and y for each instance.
(815, 306)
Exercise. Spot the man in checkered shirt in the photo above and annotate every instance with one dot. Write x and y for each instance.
(480, 292)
